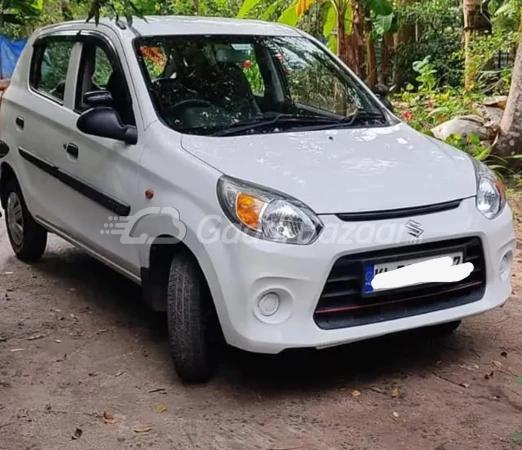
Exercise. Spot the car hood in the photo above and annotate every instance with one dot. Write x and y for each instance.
(344, 170)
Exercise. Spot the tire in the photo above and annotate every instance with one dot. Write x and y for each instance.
(194, 331)
(28, 239)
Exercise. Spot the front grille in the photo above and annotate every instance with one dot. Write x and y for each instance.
(342, 303)
(398, 213)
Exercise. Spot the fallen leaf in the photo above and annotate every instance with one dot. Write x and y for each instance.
(489, 375)
(517, 437)
(108, 418)
(395, 414)
(503, 354)
(497, 364)
(77, 434)
(48, 406)
(356, 393)
(142, 429)
(376, 389)
(36, 336)
(17, 349)
(92, 374)
(464, 385)
(394, 392)
(161, 409)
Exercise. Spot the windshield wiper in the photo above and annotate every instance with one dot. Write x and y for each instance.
(345, 122)
(273, 119)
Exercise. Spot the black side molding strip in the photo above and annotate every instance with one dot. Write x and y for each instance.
(4, 149)
(121, 209)
(398, 213)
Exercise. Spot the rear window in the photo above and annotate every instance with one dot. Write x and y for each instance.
(49, 67)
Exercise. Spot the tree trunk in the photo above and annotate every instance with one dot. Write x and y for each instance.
(509, 140)
(195, 7)
(371, 61)
(476, 21)
(353, 41)
(359, 35)
(342, 42)
(385, 57)
(67, 13)
(404, 35)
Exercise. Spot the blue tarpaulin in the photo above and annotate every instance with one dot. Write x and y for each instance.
(9, 53)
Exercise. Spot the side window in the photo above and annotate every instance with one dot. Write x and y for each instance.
(49, 67)
(100, 71)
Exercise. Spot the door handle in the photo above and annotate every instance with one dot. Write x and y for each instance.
(72, 149)
(20, 122)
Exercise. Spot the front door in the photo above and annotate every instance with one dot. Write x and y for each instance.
(104, 171)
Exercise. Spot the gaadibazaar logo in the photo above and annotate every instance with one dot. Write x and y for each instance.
(127, 226)
(213, 228)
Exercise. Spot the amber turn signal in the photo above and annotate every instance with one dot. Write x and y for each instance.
(249, 210)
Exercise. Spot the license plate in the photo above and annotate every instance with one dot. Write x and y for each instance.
(371, 270)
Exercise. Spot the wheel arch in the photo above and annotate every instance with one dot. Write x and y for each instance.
(155, 276)
(7, 173)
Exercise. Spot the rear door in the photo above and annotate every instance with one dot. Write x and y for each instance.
(40, 121)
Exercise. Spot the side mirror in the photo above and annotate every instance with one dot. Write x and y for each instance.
(97, 98)
(104, 121)
(382, 92)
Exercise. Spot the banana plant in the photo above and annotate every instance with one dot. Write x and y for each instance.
(340, 17)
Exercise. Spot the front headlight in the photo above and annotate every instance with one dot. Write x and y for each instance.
(267, 214)
(491, 197)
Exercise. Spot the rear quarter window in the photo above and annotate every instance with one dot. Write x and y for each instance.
(49, 67)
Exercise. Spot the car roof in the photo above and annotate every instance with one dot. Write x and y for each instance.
(195, 25)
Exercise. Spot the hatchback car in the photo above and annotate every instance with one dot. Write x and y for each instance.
(248, 181)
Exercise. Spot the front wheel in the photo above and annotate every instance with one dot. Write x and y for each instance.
(194, 335)
(28, 239)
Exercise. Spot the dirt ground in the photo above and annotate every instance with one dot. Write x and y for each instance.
(76, 343)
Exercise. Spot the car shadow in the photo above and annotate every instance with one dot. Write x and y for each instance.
(397, 356)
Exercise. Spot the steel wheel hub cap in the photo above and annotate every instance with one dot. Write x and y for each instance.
(15, 218)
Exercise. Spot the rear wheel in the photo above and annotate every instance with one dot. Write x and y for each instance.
(194, 333)
(28, 239)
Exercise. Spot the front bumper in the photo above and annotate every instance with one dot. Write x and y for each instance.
(247, 269)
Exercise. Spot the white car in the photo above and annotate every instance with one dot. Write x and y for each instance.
(251, 184)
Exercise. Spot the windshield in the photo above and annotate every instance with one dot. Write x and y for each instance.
(219, 85)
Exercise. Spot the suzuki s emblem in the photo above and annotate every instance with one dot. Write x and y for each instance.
(414, 228)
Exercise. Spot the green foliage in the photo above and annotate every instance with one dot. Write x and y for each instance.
(484, 49)
(440, 35)
(379, 7)
(426, 109)
(516, 437)
(289, 16)
(427, 74)
(384, 23)
(246, 7)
